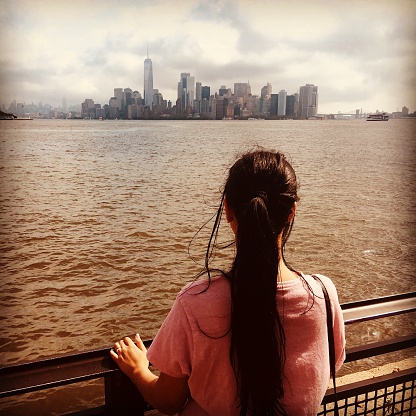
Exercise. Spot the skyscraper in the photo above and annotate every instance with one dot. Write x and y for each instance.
(198, 91)
(266, 91)
(205, 92)
(223, 90)
(242, 89)
(308, 101)
(263, 103)
(274, 104)
(186, 90)
(118, 94)
(137, 98)
(148, 82)
(290, 105)
(128, 94)
(281, 108)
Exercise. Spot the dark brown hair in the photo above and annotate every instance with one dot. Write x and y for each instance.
(261, 190)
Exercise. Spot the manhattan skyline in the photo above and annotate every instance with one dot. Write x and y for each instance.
(361, 56)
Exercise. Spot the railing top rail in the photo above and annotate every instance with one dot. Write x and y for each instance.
(380, 299)
(57, 371)
(53, 372)
(379, 307)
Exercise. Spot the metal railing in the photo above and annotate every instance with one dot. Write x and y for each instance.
(385, 395)
(380, 395)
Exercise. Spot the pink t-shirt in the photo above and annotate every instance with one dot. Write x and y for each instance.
(194, 341)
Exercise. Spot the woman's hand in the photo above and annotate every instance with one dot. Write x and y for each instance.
(130, 356)
(165, 393)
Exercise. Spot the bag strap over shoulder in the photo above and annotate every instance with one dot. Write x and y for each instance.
(331, 341)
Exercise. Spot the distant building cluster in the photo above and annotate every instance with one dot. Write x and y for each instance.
(40, 110)
(195, 100)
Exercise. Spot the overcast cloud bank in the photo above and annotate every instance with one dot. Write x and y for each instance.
(361, 54)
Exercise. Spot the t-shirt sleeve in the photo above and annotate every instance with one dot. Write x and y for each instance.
(172, 347)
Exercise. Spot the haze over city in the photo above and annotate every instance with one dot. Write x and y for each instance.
(360, 53)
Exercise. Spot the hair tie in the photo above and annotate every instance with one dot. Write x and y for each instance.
(262, 195)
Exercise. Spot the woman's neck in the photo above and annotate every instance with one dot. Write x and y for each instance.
(285, 273)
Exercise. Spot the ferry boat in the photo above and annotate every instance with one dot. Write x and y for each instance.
(378, 117)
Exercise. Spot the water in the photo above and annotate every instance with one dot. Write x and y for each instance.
(96, 218)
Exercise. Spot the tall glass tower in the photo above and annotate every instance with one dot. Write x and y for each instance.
(281, 106)
(186, 90)
(308, 101)
(148, 82)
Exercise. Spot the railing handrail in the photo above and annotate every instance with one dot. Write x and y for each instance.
(72, 368)
(375, 308)
(57, 371)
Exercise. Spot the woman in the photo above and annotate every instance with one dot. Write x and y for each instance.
(251, 341)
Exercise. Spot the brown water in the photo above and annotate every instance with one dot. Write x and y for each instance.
(96, 218)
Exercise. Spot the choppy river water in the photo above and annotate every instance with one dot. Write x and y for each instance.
(96, 218)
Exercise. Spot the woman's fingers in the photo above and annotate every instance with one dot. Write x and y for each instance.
(125, 344)
(129, 356)
(127, 341)
(139, 342)
(117, 349)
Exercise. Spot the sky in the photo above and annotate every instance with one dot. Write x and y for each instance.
(360, 54)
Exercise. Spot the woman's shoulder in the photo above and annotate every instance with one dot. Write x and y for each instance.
(205, 286)
(327, 282)
(295, 284)
(207, 303)
(325, 279)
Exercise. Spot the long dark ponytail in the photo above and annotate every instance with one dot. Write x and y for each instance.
(261, 190)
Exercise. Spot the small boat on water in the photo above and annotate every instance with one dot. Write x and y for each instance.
(378, 117)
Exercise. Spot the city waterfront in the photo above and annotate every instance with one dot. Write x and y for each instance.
(97, 218)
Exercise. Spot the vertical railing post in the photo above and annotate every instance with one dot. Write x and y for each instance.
(122, 396)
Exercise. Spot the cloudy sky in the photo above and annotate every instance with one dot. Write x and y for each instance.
(361, 54)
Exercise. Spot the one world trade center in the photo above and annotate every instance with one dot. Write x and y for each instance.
(148, 82)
